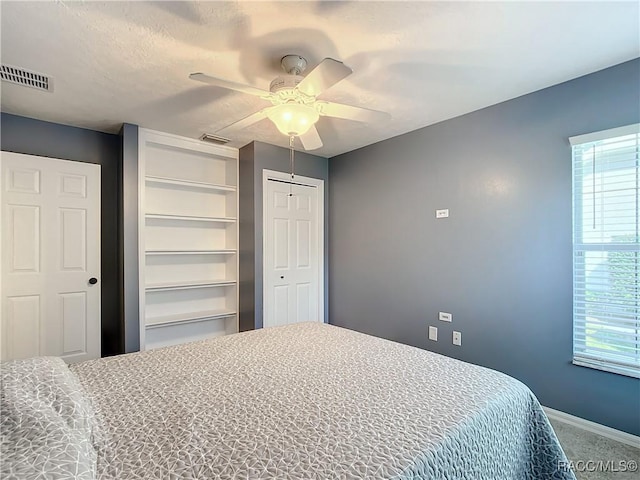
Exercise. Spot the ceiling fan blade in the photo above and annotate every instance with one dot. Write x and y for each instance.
(311, 140)
(326, 74)
(350, 112)
(238, 87)
(246, 121)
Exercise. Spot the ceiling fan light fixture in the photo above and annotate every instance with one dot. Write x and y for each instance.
(293, 118)
(295, 108)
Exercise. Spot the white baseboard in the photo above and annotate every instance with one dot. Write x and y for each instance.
(612, 433)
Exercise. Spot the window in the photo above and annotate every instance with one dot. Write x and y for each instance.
(606, 328)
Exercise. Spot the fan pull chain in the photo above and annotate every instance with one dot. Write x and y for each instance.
(291, 164)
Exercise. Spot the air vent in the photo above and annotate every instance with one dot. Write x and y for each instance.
(211, 138)
(20, 76)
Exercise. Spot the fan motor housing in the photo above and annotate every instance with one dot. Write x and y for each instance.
(285, 82)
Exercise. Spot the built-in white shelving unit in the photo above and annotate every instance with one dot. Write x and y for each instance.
(188, 236)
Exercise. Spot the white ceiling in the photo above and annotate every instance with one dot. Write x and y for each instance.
(423, 62)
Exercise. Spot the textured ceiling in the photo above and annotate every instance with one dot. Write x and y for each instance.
(423, 62)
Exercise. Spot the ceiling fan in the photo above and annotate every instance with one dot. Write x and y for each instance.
(294, 105)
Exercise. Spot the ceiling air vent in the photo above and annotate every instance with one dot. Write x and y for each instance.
(20, 76)
(211, 138)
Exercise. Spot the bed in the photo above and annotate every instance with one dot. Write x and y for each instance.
(304, 401)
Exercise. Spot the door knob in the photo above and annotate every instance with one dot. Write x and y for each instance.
(93, 280)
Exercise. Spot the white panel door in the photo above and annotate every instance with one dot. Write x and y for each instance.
(292, 253)
(50, 262)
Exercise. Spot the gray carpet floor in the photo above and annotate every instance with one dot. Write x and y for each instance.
(580, 445)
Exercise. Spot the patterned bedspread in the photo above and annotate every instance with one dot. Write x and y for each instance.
(311, 401)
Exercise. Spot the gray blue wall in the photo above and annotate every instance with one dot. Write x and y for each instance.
(254, 158)
(502, 262)
(129, 238)
(35, 137)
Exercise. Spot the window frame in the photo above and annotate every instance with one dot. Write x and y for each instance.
(581, 354)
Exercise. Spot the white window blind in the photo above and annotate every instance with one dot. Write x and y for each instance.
(606, 327)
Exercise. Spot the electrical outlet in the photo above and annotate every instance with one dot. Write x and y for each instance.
(457, 338)
(444, 213)
(445, 317)
(433, 333)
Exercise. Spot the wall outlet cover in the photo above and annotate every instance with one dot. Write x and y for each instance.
(433, 333)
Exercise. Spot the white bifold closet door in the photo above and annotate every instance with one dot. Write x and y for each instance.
(50, 243)
(292, 251)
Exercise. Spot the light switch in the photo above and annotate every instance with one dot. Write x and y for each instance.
(445, 317)
(457, 338)
(443, 213)
(433, 333)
